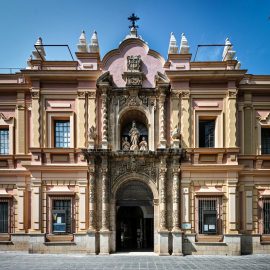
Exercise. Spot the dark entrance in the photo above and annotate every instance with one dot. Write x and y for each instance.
(134, 232)
(134, 220)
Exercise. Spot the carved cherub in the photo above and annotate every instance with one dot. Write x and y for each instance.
(125, 144)
(143, 145)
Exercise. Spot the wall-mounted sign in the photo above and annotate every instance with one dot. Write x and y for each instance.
(186, 226)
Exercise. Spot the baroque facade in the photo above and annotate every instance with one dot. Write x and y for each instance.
(134, 152)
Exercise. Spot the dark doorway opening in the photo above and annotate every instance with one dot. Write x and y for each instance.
(133, 230)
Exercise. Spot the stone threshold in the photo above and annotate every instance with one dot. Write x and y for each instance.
(64, 243)
(210, 244)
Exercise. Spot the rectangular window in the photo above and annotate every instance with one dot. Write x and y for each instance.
(206, 133)
(265, 133)
(266, 216)
(61, 216)
(208, 215)
(4, 216)
(62, 133)
(4, 141)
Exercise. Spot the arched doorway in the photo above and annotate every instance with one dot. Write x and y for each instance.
(135, 217)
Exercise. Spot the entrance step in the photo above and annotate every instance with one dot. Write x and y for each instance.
(134, 253)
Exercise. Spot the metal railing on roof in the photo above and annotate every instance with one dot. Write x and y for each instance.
(10, 70)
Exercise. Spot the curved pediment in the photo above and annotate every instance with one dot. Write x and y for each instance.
(115, 62)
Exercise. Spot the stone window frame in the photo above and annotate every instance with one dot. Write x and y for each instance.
(261, 123)
(50, 199)
(11, 214)
(51, 117)
(219, 203)
(260, 213)
(8, 123)
(207, 114)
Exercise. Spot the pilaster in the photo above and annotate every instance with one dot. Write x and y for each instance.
(248, 124)
(231, 116)
(175, 116)
(82, 204)
(20, 228)
(162, 133)
(81, 119)
(104, 118)
(35, 117)
(232, 222)
(185, 118)
(92, 117)
(36, 202)
(20, 124)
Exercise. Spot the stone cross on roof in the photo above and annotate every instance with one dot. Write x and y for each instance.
(133, 18)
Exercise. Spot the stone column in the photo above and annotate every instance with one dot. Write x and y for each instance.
(81, 119)
(163, 231)
(20, 124)
(185, 205)
(231, 117)
(104, 118)
(162, 127)
(35, 118)
(176, 232)
(105, 226)
(20, 227)
(185, 116)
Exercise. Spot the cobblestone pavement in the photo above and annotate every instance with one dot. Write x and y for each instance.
(21, 261)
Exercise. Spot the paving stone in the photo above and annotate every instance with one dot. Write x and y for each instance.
(23, 261)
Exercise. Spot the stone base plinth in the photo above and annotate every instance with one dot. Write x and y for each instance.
(104, 242)
(177, 243)
(163, 243)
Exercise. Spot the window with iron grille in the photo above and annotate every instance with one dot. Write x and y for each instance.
(62, 133)
(208, 215)
(4, 216)
(266, 216)
(61, 216)
(206, 133)
(4, 141)
(265, 140)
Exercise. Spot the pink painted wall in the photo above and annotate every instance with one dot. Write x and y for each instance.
(116, 62)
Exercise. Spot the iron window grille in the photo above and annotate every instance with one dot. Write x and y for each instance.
(61, 216)
(209, 215)
(5, 216)
(266, 216)
(4, 141)
(62, 133)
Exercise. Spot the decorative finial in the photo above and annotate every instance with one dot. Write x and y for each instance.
(184, 48)
(39, 53)
(173, 48)
(133, 18)
(228, 52)
(82, 46)
(94, 46)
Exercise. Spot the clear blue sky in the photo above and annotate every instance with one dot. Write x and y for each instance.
(245, 22)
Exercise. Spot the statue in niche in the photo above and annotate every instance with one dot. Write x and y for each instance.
(125, 144)
(134, 136)
(143, 145)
